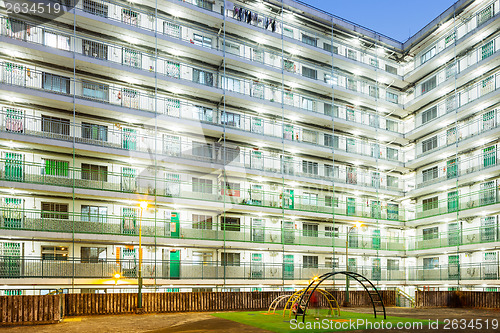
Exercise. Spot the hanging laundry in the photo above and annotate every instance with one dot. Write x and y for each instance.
(249, 17)
(273, 26)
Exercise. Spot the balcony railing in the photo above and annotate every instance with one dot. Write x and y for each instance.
(131, 98)
(12, 267)
(13, 218)
(238, 192)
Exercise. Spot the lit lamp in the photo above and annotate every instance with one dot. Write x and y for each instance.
(357, 225)
(143, 205)
(117, 277)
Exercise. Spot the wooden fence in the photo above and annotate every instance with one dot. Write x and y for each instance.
(458, 299)
(90, 304)
(28, 310)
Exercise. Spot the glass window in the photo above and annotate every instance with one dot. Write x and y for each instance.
(230, 259)
(484, 15)
(430, 174)
(310, 261)
(488, 49)
(309, 230)
(310, 167)
(429, 114)
(428, 55)
(431, 263)
(200, 185)
(93, 254)
(202, 41)
(56, 83)
(429, 144)
(430, 233)
(309, 72)
(230, 223)
(202, 221)
(54, 210)
(94, 132)
(95, 172)
(309, 40)
(430, 203)
(429, 85)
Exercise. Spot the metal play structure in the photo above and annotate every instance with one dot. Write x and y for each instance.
(375, 297)
(292, 299)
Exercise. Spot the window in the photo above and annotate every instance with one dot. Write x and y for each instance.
(351, 206)
(54, 253)
(429, 85)
(392, 265)
(450, 103)
(392, 211)
(232, 84)
(351, 54)
(200, 185)
(310, 199)
(94, 49)
(230, 189)
(430, 203)
(56, 168)
(451, 70)
(487, 193)
(95, 8)
(489, 156)
(230, 119)
(96, 214)
(171, 29)
(94, 132)
(331, 80)
(392, 181)
(202, 41)
(172, 184)
(230, 259)
(288, 32)
(54, 210)
(93, 254)
(451, 168)
(430, 174)
(307, 104)
(132, 58)
(488, 120)
(352, 84)
(331, 231)
(202, 222)
(352, 175)
(487, 49)
(392, 154)
(452, 201)
(309, 136)
(310, 261)
(203, 77)
(374, 62)
(204, 113)
(329, 200)
(429, 114)
(309, 72)
(484, 15)
(309, 40)
(310, 167)
(429, 144)
(309, 230)
(130, 98)
(428, 55)
(431, 263)
(232, 48)
(329, 48)
(391, 97)
(328, 140)
(55, 125)
(56, 83)
(373, 91)
(95, 90)
(332, 262)
(391, 69)
(391, 125)
(230, 223)
(95, 172)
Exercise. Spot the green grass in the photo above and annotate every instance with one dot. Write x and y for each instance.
(325, 323)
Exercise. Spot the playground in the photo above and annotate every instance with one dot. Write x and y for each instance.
(322, 322)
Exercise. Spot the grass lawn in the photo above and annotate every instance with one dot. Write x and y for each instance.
(346, 322)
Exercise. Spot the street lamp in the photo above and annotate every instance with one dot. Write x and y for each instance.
(143, 205)
(357, 225)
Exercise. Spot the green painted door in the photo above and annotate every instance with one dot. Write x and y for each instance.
(489, 156)
(257, 230)
(14, 166)
(351, 206)
(454, 234)
(174, 225)
(129, 139)
(376, 239)
(175, 264)
(376, 269)
(288, 267)
(12, 213)
(289, 199)
(288, 232)
(451, 168)
(376, 209)
(453, 267)
(452, 201)
(257, 268)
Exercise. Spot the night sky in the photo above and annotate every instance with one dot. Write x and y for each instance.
(398, 19)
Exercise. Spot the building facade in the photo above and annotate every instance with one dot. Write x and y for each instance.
(257, 133)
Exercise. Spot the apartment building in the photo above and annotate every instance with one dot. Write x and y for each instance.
(246, 142)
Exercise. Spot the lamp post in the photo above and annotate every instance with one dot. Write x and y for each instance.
(143, 205)
(346, 301)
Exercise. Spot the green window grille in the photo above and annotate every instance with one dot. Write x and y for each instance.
(173, 69)
(351, 206)
(288, 266)
(172, 29)
(484, 15)
(487, 85)
(132, 58)
(129, 138)
(172, 107)
(452, 168)
(56, 168)
(129, 220)
(130, 98)
(14, 170)
(129, 181)
(449, 39)
(489, 156)
(128, 262)
(14, 120)
(12, 213)
(172, 184)
(488, 49)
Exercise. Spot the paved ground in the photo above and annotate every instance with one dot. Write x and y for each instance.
(204, 322)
